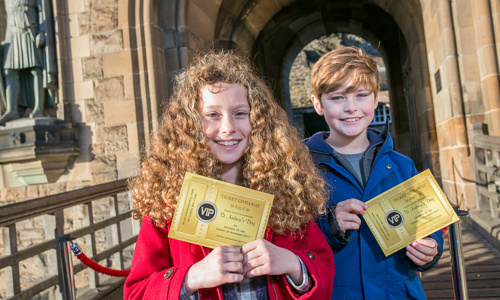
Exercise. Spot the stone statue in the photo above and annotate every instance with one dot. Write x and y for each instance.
(29, 63)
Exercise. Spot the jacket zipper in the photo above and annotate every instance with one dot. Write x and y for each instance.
(274, 289)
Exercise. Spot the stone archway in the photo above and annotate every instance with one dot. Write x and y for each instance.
(275, 31)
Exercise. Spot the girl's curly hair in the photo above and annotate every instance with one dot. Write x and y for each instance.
(274, 162)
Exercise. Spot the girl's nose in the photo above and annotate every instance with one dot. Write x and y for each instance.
(227, 125)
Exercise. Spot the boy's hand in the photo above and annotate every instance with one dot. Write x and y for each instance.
(346, 213)
(222, 265)
(422, 251)
(261, 257)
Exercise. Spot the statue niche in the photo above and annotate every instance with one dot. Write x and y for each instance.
(29, 67)
(38, 149)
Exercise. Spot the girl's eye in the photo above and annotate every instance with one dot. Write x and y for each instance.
(242, 113)
(212, 115)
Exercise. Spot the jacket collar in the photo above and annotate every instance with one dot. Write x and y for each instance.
(319, 147)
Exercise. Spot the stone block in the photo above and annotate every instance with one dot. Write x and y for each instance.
(32, 192)
(128, 165)
(109, 89)
(469, 67)
(172, 59)
(170, 38)
(16, 194)
(133, 138)
(127, 41)
(52, 189)
(93, 111)
(116, 64)
(74, 24)
(119, 112)
(76, 6)
(129, 86)
(84, 90)
(104, 177)
(491, 93)
(80, 171)
(30, 236)
(84, 23)
(112, 133)
(116, 146)
(123, 14)
(98, 149)
(204, 25)
(104, 18)
(76, 70)
(92, 68)
(103, 164)
(106, 42)
(80, 46)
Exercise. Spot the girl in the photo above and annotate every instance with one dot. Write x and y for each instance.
(222, 122)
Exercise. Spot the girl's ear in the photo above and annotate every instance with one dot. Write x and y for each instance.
(317, 104)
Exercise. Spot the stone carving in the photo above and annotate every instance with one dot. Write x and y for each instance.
(29, 67)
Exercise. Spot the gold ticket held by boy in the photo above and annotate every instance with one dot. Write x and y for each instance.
(214, 213)
(409, 211)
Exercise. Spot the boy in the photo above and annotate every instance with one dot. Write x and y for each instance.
(358, 164)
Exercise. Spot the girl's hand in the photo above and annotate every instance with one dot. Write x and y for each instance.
(262, 257)
(346, 213)
(422, 251)
(222, 265)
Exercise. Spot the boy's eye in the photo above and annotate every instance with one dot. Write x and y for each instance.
(336, 98)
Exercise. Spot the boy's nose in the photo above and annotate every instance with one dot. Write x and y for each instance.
(350, 104)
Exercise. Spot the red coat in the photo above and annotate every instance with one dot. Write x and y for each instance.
(156, 256)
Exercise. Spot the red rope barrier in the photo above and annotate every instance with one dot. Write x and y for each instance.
(95, 266)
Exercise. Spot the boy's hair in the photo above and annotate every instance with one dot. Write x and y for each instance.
(340, 66)
(275, 160)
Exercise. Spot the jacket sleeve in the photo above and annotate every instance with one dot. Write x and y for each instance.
(317, 255)
(438, 236)
(152, 276)
(331, 230)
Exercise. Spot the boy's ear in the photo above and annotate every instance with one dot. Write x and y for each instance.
(317, 105)
(376, 102)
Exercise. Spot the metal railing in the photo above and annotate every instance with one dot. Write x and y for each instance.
(486, 155)
(97, 217)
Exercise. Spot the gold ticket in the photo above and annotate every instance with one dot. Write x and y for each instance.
(213, 213)
(409, 211)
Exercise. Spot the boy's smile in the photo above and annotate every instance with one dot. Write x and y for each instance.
(348, 112)
(225, 113)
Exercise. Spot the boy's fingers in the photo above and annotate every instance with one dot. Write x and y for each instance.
(348, 226)
(429, 242)
(352, 206)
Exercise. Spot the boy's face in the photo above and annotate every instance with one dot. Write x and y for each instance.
(348, 114)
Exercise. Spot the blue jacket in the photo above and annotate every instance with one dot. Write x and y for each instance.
(362, 271)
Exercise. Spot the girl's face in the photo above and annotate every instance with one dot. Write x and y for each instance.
(226, 121)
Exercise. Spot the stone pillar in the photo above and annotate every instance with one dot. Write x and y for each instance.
(488, 63)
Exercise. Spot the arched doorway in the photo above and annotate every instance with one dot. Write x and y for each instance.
(275, 33)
